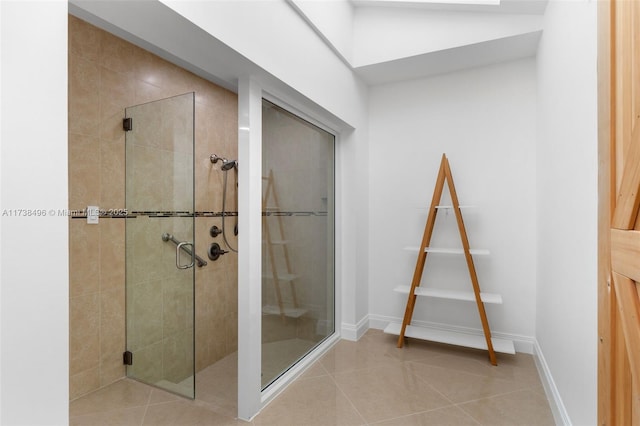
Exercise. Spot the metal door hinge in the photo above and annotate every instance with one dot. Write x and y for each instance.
(127, 124)
(127, 358)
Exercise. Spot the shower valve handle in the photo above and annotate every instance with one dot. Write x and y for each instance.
(215, 251)
(215, 231)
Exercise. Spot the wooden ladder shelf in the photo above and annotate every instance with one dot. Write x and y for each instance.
(444, 174)
(280, 244)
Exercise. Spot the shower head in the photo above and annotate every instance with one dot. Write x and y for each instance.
(226, 164)
(229, 164)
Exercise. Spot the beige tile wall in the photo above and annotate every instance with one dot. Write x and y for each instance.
(106, 75)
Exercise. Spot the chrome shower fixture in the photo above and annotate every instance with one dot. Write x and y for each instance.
(226, 164)
(229, 164)
(214, 158)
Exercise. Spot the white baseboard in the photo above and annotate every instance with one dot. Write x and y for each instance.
(379, 322)
(524, 344)
(354, 332)
(558, 409)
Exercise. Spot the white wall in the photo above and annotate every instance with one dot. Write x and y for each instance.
(34, 270)
(566, 327)
(484, 120)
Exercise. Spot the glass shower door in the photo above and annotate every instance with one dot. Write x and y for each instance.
(159, 243)
(298, 298)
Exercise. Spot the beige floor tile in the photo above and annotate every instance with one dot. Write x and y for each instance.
(120, 417)
(460, 386)
(519, 367)
(412, 349)
(314, 401)
(316, 370)
(381, 348)
(184, 413)
(226, 367)
(517, 408)
(225, 405)
(387, 392)
(159, 396)
(120, 395)
(462, 360)
(350, 356)
(448, 416)
(442, 349)
(217, 386)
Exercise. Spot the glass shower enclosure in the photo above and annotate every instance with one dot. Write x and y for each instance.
(298, 294)
(159, 247)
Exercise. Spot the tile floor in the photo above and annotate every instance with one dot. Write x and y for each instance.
(356, 383)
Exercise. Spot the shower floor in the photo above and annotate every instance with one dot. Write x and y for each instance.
(217, 384)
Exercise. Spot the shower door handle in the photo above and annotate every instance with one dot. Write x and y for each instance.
(182, 246)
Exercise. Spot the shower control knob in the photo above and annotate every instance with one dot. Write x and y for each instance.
(215, 231)
(215, 251)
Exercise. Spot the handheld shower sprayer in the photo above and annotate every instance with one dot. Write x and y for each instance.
(226, 166)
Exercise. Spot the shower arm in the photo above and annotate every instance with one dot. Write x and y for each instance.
(168, 237)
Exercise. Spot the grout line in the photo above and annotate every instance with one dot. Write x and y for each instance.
(426, 411)
(524, 386)
(348, 399)
(459, 407)
(394, 363)
(452, 403)
(469, 415)
(146, 407)
(498, 395)
(458, 370)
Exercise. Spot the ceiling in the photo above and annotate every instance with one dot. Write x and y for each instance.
(392, 40)
(535, 7)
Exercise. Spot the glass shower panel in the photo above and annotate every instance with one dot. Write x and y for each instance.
(159, 274)
(298, 239)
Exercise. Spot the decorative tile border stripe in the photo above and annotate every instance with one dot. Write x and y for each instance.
(215, 214)
(159, 214)
(154, 214)
(299, 213)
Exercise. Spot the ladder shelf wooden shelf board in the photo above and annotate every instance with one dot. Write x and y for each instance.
(282, 277)
(468, 296)
(477, 252)
(286, 311)
(452, 338)
(445, 207)
(414, 290)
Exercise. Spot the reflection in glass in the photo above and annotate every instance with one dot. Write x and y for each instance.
(298, 239)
